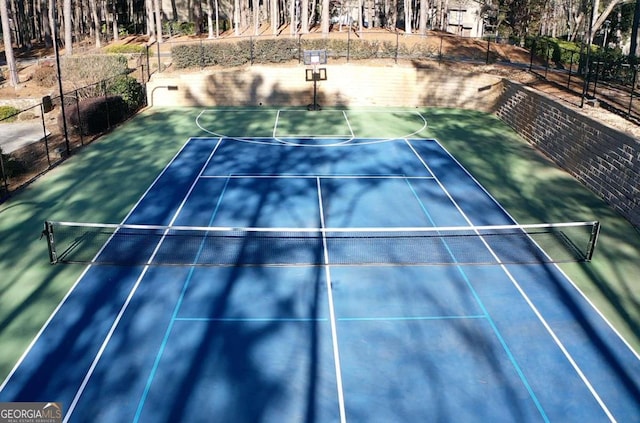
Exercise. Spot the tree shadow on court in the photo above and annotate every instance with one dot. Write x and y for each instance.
(99, 184)
(533, 190)
(609, 350)
(244, 89)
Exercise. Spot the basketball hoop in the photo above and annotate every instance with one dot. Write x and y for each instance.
(314, 74)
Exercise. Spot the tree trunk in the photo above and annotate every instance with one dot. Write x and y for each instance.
(292, 17)
(96, 22)
(158, 19)
(151, 22)
(274, 17)
(304, 16)
(407, 16)
(8, 46)
(324, 18)
(68, 28)
(114, 14)
(422, 26)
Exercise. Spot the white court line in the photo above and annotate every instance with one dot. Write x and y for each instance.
(75, 284)
(275, 124)
(529, 302)
(296, 176)
(332, 314)
(282, 141)
(124, 307)
(344, 113)
(624, 341)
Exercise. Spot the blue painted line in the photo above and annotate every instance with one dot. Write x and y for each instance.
(174, 316)
(410, 318)
(494, 327)
(251, 319)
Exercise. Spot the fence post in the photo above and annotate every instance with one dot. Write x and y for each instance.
(546, 58)
(4, 174)
(251, 50)
(533, 50)
(44, 131)
(79, 121)
(148, 66)
(488, 47)
(633, 87)
(348, 43)
(201, 55)
(595, 81)
(158, 54)
(397, 45)
(570, 69)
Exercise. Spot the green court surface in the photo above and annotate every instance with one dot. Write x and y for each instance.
(102, 183)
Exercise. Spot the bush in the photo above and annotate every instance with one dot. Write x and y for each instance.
(125, 49)
(210, 54)
(174, 28)
(95, 115)
(275, 51)
(12, 167)
(93, 68)
(129, 89)
(8, 114)
(45, 76)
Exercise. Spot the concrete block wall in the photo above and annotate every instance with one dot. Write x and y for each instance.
(605, 160)
(346, 85)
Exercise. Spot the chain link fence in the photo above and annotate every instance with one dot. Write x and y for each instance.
(36, 139)
(599, 75)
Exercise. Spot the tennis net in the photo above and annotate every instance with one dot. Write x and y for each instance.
(123, 244)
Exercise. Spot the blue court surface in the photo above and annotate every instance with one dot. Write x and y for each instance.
(318, 342)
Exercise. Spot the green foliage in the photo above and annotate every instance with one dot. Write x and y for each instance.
(211, 54)
(174, 28)
(129, 89)
(8, 114)
(275, 51)
(125, 49)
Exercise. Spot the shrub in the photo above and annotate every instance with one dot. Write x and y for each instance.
(8, 114)
(94, 115)
(174, 28)
(275, 51)
(125, 49)
(12, 167)
(213, 53)
(45, 76)
(129, 89)
(94, 68)
(187, 56)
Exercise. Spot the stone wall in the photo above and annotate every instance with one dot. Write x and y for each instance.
(605, 160)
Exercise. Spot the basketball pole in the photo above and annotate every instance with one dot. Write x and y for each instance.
(315, 106)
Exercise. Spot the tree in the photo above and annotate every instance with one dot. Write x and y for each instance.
(95, 22)
(68, 28)
(324, 18)
(8, 46)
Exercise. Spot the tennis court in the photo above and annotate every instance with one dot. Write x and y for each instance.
(303, 276)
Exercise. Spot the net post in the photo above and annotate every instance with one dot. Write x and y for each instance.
(48, 233)
(595, 232)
